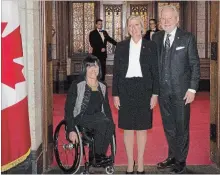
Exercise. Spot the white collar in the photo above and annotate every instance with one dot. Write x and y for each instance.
(173, 33)
(98, 29)
(137, 44)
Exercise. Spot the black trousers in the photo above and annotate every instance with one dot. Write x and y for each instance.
(176, 117)
(103, 129)
(103, 67)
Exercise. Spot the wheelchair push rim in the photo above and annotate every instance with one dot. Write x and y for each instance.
(67, 147)
(111, 152)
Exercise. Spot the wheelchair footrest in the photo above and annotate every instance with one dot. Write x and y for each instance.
(103, 165)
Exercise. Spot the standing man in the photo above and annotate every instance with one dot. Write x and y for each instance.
(153, 29)
(98, 40)
(179, 71)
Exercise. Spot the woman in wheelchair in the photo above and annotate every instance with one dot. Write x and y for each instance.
(87, 106)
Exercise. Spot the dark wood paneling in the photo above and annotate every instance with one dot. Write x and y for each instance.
(206, 29)
(47, 96)
(190, 25)
(215, 85)
(190, 16)
(63, 44)
(205, 68)
(76, 63)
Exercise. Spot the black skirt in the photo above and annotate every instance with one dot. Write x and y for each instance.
(134, 112)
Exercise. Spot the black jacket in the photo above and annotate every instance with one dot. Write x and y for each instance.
(148, 62)
(185, 63)
(75, 93)
(147, 35)
(97, 44)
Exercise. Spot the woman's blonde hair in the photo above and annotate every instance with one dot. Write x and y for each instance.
(134, 17)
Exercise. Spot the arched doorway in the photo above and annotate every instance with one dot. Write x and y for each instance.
(214, 94)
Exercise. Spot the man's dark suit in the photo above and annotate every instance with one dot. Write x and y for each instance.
(178, 72)
(147, 35)
(97, 44)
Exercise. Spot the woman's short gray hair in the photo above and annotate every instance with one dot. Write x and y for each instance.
(134, 17)
(172, 7)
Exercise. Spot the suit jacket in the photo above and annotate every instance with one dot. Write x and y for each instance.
(185, 63)
(147, 35)
(97, 44)
(148, 63)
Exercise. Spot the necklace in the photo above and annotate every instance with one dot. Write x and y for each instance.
(93, 87)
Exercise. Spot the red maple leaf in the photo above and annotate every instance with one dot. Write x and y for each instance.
(11, 49)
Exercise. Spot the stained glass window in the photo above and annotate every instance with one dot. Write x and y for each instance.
(83, 22)
(136, 9)
(113, 24)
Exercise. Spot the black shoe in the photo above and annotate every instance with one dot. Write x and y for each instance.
(168, 163)
(132, 172)
(102, 159)
(142, 172)
(179, 168)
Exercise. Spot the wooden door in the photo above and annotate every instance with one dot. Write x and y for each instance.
(215, 83)
(46, 12)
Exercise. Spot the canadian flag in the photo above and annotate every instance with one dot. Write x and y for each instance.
(15, 131)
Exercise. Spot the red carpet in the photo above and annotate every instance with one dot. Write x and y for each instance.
(156, 147)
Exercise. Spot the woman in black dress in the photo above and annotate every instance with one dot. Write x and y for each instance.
(135, 88)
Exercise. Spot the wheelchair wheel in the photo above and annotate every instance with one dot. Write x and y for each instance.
(112, 148)
(109, 170)
(67, 154)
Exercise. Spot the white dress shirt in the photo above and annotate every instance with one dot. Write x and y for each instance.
(101, 34)
(152, 32)
(172, 37)
(134, 67)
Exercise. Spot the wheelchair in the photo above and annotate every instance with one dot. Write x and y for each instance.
(76, 152)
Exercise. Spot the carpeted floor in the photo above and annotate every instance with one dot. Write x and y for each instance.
(156, 147)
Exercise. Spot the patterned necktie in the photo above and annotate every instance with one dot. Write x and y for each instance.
(167, 42)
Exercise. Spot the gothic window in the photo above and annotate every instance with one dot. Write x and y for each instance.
(137, 9)
(83, 19)
(113, 24)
